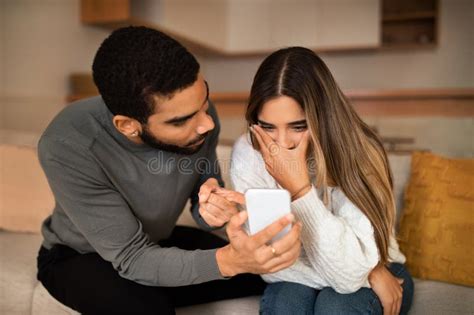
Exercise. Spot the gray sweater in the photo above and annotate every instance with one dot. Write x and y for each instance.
(118, 198)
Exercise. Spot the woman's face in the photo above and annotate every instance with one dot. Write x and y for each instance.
(284, 120)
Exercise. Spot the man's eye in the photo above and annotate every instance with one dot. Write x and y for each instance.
(179, 123)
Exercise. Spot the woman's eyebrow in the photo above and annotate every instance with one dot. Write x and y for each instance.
(261, 122)
(298, 122)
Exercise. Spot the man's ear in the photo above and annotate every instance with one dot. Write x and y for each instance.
(128, 126)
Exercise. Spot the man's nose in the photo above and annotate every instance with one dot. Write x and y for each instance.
(207, 124)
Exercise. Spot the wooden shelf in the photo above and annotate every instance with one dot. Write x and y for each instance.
(447, 102)
(408, 24)
(400, 17)
(404, 46)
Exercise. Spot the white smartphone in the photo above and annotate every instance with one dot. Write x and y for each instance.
(265, 206)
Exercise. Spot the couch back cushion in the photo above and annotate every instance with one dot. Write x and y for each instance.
(400, 165)
(437, 225)
(25, 196)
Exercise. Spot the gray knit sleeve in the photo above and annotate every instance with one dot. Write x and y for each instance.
(104, 219)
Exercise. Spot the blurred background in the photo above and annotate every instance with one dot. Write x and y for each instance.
(407, 66)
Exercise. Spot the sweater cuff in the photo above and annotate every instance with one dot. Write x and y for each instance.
(206, 265)
(309, 206)
(200, 220)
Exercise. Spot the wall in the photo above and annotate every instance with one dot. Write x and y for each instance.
(42, 42)
(448, 65)
(2, 61)
(188, 18)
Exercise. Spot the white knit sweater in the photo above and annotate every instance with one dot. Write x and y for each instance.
(339, 248)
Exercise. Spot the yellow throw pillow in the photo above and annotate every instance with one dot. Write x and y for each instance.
(437, 225)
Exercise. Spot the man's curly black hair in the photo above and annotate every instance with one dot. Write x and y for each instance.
(134, 63)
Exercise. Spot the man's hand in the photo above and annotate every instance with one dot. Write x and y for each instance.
(214, 208)
(251, 254)
(388, 289)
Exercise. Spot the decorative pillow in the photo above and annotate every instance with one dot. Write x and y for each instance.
(437, 225)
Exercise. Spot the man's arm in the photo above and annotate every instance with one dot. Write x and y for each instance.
(208, 168)
(104, 218)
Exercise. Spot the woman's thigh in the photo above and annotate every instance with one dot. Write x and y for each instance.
(364, 301)
(400, 271)
(288, 298)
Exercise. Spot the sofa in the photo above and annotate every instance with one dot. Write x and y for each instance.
(26, 200)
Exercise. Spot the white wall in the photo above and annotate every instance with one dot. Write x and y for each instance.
(448, 65)
(204, 20)
(43, 42)
(2, 59)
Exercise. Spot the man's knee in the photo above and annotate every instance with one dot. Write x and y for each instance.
(90, 285)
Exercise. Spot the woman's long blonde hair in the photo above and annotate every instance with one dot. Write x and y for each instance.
(343, 147)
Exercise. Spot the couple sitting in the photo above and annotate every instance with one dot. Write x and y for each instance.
(112, 245)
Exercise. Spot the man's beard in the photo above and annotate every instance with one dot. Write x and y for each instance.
(189, 149)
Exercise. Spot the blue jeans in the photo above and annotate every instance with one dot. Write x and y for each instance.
(292, 298)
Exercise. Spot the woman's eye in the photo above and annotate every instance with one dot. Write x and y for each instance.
(267, 128)
(300, 128)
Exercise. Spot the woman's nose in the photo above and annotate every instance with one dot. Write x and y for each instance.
(284, 141)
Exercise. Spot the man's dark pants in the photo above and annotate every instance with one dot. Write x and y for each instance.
(90, 285)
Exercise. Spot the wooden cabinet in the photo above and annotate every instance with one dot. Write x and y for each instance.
(409, 23)
(237, 27)
(240, 27)
(323, 25)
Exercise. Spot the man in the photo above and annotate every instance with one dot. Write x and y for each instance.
(121, 167)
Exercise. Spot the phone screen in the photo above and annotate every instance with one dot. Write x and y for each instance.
(265, 206)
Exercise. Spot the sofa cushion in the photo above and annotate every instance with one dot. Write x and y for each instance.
(18, 253)
(44, 303)
(24, 191)
(439, 298)
(21, 293)
(400, 165)
(438, 219)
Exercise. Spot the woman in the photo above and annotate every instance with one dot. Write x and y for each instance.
(306, 138)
